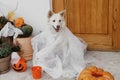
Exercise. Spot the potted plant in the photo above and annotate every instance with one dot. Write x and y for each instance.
(3, 21)
(5, 54)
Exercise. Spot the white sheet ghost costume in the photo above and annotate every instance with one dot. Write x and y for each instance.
(59, 53)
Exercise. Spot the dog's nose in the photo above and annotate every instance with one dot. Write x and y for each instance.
(58, 26)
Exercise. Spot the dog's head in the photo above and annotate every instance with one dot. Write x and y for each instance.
(56, 20)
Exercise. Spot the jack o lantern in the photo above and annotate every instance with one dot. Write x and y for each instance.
(94, 73)
(20, 66)
(19, 22)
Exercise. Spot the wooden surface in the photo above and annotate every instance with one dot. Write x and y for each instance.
(97, 42)
(26, 47)
(116, 25)
(58, 5)
(87, 16)
(96, 21)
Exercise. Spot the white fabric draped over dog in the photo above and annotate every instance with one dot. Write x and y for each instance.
(60, 56)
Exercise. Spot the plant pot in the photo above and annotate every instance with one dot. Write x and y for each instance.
(26, 48)
(5, 64)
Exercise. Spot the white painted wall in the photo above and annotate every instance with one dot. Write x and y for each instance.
(33, 11)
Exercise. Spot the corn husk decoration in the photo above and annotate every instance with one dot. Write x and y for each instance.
(11, 16)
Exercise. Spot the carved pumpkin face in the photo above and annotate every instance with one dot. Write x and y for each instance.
(20, 66)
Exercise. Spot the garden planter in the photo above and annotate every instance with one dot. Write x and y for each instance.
(26, 48)
(5, 64)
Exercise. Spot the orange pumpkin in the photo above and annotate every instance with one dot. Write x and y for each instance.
(94, 73)
(19, 22)
(20, 66)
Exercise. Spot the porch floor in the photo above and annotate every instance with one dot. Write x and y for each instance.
(109, 61)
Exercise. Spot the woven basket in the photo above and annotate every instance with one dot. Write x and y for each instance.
(26, 48)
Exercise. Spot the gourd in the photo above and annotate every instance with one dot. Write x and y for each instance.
(27, 31)
(94, 73)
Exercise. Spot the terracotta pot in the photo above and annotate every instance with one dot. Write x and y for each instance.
(36, 72)
(5, 64)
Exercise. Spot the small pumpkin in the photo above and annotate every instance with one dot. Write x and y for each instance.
(94, 73)
(20, 66)
(19, 22)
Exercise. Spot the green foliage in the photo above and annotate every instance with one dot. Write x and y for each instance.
(3, 21)
(5, 49)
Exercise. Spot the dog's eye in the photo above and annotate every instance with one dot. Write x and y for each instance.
(59, 20)
(53, 20)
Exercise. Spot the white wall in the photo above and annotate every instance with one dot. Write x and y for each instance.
(33, 11)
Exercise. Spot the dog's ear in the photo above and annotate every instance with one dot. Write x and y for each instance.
(50, 13)
(62, 13)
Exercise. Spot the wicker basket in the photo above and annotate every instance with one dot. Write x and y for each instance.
(26, 48)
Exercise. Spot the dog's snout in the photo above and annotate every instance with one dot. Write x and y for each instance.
(58, 26)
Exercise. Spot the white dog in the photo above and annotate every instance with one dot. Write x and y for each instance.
(57, 50)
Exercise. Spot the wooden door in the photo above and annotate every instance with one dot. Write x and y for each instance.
(116, 24)
(91, 20)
